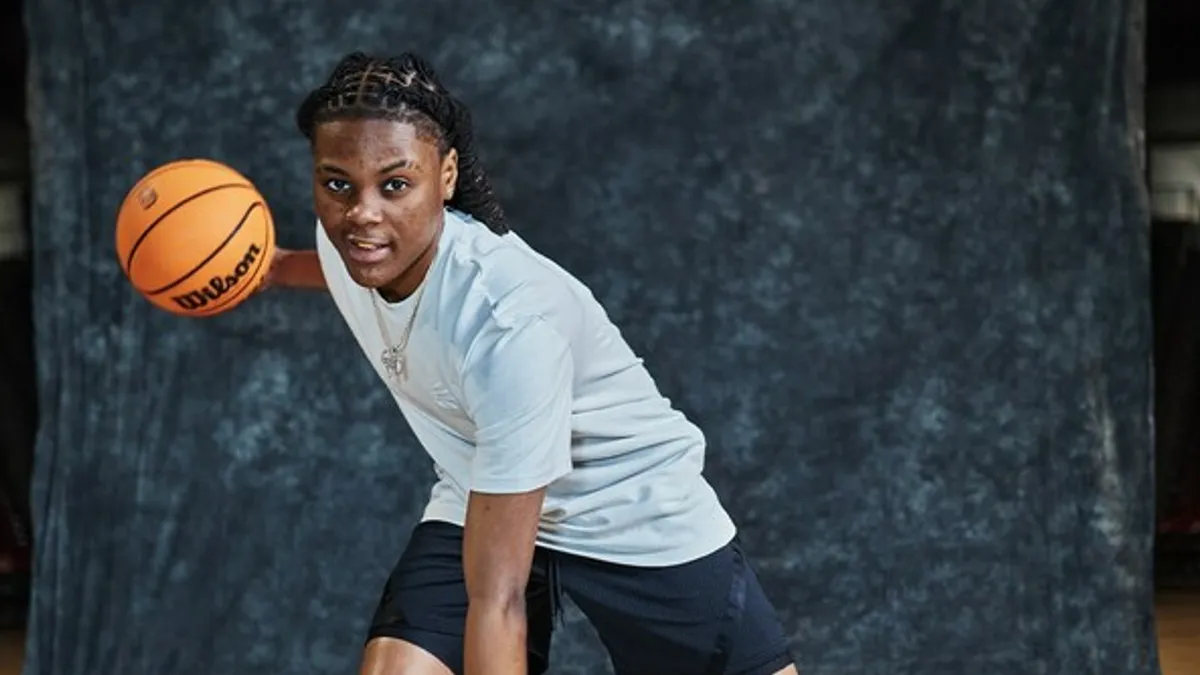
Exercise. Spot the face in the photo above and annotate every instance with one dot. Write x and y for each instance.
(379, 189)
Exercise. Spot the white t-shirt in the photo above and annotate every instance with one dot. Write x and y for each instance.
(517, 379)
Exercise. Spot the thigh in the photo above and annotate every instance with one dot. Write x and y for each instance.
(425, 601)
(391, 656)
(706, 617)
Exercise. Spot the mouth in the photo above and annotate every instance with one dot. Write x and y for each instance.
(366, 250)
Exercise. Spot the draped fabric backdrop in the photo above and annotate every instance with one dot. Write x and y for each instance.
(890, 254)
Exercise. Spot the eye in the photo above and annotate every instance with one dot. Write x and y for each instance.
(337, 185)
(394, 185)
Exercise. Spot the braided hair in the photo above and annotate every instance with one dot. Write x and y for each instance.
(405, 89)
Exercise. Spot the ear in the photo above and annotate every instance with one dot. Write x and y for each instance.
(449, 174)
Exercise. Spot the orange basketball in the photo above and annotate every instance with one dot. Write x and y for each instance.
(195, 237)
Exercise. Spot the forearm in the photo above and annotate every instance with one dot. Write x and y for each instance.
(298, 269)
(498, 544)
(495, 641)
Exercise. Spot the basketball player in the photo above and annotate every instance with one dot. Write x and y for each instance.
(561, 468)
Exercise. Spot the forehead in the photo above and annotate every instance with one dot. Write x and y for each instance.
(370, 141)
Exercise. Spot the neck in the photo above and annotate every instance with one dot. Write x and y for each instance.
(410, 280)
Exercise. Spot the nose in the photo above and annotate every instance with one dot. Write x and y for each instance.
(364, 212)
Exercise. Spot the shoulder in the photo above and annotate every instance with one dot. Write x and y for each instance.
(496, 284)
(504, 272)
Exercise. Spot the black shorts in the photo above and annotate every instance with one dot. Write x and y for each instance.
(706, 617)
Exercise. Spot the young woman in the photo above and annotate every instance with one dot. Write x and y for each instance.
(561, 468)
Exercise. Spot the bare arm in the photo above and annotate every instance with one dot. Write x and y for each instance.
(498, 546)
(518, 389)
(295, 269)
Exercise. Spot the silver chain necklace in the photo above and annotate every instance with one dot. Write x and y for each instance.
(395, 363)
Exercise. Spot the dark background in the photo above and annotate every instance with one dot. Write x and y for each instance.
(892, 256)
(1173, 59)
(18, 394)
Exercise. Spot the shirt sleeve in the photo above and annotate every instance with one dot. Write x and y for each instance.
(518, 389)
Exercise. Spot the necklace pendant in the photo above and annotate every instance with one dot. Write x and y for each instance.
(394, 364)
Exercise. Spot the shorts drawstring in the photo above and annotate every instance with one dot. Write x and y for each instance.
(556, 592)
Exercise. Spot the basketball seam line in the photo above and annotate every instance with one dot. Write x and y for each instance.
(216, 251)
(212, 310)
(150, 228)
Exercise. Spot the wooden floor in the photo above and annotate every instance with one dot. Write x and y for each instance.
(1178, 638)
(1179, 633)
(11, 646)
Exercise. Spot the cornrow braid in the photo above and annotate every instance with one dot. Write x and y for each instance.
(405, 89)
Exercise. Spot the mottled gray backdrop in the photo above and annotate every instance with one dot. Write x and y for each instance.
(891, 254)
